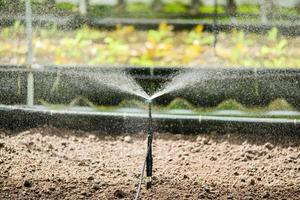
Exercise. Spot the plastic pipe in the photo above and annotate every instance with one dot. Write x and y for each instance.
(86, 111)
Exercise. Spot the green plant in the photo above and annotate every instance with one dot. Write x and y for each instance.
(280, 104)
(87, 33)
(66, 6)
(163, 34)
(230, 105)
(175, 7)
(195, 35)
(116, 46)
(138, 7)
(15, 31)
(275, 51)
(240, 48)
(211, 9)
(247, 8)
(142, 60)
(125, 45)
(180, 103)
(50, 32)
(272, 35)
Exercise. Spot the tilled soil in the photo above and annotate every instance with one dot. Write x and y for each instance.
(50, 163)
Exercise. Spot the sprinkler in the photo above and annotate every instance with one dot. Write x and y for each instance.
(148, 163)
(149, 158)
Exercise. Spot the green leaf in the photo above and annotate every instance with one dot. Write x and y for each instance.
(273, 34)
(265, 50)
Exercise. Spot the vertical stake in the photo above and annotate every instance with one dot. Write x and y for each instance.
(149, 158)
(30, 78)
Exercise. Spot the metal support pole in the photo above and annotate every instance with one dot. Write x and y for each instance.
(194, 7)
(266, 9)
(30, 78)
(121, 5)
(149, 158)
(83, 5)
(157, 5)
(263, 12)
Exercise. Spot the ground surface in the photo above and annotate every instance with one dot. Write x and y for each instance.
(50, 163)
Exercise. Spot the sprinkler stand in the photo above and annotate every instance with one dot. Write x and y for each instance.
(149, 158)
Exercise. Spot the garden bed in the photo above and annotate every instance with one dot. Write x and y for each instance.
(156, 47)
(49, 163)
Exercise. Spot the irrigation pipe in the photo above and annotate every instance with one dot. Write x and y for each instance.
(87, 111)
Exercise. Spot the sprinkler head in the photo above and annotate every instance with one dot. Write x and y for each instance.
(149, 101)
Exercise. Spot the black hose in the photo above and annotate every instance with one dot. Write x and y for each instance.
(138, 191)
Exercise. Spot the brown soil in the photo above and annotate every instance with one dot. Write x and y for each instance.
(50, 163)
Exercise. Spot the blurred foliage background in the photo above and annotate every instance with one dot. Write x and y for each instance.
(162, 46)
(150, 7)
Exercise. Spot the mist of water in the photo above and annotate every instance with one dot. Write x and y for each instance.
(185, 79)
(117, 80)
(191, 77)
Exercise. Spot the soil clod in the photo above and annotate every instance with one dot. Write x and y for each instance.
(119, 194)
(96, 187)
(27, 183)
(128, 139)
